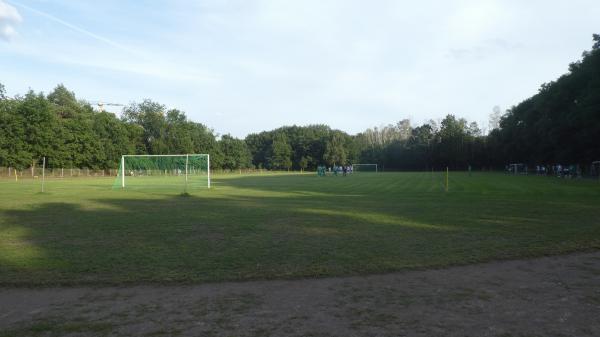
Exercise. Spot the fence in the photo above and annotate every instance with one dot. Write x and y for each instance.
(35, 172)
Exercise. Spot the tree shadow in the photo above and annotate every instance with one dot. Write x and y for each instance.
(253, 231)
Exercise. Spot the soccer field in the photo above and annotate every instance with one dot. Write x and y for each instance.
(285, 225)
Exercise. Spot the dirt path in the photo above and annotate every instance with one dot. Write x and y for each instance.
(552, 296)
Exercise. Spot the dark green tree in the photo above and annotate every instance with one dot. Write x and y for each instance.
(235, 153)
(280, 156)
(335, 153)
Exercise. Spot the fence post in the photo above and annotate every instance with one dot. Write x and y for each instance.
(446, 178)
(43, 173)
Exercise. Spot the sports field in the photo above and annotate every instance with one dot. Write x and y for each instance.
(81, 231)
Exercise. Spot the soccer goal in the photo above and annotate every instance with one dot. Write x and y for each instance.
(364, 168)
(188, 171)
(518, 168)
(595, 169)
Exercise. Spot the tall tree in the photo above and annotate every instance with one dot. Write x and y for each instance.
(41, 134)
(151, 117)
(235, 152)
(335, 153)
(281, 153)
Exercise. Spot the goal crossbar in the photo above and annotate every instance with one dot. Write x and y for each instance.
(363, 165)
(163, 155)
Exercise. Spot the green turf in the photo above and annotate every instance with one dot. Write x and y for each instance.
(282, 226)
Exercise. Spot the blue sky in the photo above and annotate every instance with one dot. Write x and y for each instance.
(244, 66)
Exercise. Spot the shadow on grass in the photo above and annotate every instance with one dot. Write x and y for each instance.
(248, 233)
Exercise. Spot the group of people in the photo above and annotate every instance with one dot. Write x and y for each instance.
(562, 171)
(558, 170)
(335, 170)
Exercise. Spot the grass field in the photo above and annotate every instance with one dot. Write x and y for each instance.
(283, 226)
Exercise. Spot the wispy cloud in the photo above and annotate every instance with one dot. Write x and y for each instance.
(483, 49)
(9, 16)
(156, 69)
(133, 60)
(75, 28)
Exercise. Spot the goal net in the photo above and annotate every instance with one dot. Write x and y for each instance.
(184, 171)
(517, 168)
(364, 168)
(595, 169)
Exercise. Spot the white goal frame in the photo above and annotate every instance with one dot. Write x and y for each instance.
(187, 155)
(596, 167)
(514, 168)
(376, 167)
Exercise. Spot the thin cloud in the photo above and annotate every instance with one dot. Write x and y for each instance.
(484, 49)
(9, 16)
(77, 29)
(141, 64)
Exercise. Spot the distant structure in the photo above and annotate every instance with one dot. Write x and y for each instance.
(101, 104)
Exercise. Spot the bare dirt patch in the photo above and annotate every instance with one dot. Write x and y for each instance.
(551, 296)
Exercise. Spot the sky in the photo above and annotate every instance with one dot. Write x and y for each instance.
(244, 66)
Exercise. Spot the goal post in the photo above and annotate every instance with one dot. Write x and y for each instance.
(595, 169)
(517, 168)
(365, 168)
(152, 171)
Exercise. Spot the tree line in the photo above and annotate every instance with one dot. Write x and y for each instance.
(560, 124)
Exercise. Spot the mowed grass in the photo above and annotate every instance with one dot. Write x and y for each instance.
(284, 226)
